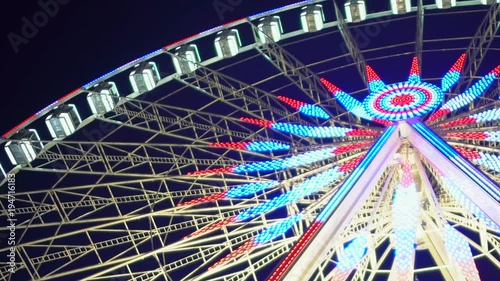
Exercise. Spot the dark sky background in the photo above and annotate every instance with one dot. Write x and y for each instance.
(85, 39)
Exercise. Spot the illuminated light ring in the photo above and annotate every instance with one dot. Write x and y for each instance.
(400, 100)
(403, 100)
(392, 98)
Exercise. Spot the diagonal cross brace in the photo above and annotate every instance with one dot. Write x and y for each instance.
(479, 46)
(351, 44)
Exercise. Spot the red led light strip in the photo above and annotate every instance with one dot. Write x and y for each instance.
(211, 171)
(414, 67)
(360, 132)
(350, 147)
(180, 41)
(350, 165)
(496, 71)
(233, 145)
(291, 102)
(469, 135)
(459, 122)
(438, 114)
(208, 198)
(371, 75)
(263, 123)
(468, 153)
(459, 64)
(329, 86)
(246, 247)
(234, 21)
(19, 126)
(295, 251)
(381, 121)
(211, 227)
(74, 92)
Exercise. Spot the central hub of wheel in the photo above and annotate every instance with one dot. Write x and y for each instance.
(403, 100)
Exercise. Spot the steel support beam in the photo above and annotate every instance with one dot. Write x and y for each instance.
(473, 189)
(141, 113)
(448, 267)
(362, 185)
(479, 46)
(351, 44)
(254, 101)
(298, 73)
(419, 40)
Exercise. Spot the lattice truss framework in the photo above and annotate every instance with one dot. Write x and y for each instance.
(164, 188)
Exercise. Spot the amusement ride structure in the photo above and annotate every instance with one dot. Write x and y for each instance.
(275, 147)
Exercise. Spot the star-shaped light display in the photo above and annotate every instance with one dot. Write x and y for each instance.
(412, 98)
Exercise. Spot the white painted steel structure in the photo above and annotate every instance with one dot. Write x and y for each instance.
(106, 203)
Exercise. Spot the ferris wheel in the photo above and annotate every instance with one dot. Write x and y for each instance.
(315, 141)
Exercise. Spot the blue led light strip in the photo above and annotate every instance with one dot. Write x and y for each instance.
(285, 163)
(457, 160)
(276, 230)
(471, 94)
(354, 177)
(248, 189)
(306, 188)
(454, 157)
(353, 254)
(252, 17)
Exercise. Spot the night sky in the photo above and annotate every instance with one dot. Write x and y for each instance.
(85, 39)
